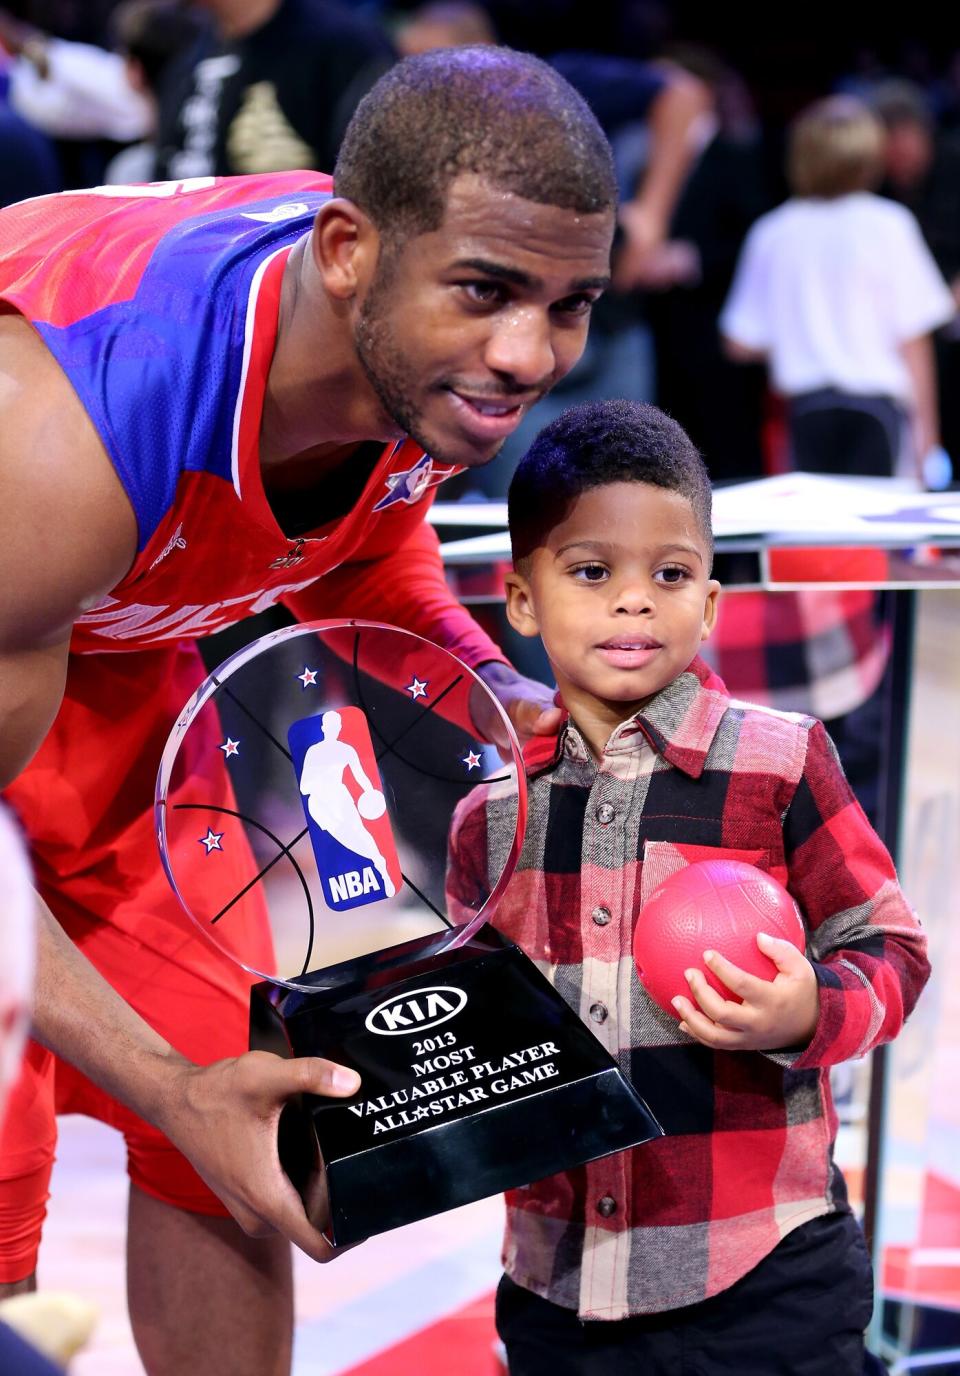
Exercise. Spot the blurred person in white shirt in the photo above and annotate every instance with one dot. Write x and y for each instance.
(837, 291)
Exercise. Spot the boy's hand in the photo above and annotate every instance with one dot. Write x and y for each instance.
(775, 1014)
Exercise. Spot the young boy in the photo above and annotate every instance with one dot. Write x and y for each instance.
(727, 1246)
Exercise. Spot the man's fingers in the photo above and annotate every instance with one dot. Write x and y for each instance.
(276, 1079)
(319, 1076)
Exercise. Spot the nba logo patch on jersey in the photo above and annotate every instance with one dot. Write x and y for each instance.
(345, 808)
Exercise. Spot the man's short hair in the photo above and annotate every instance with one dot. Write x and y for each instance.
(835, 147)
(594, 445)
(503, 115)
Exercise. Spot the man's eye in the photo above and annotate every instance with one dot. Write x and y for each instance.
(589, 573)
(575, 305)
(484, 293)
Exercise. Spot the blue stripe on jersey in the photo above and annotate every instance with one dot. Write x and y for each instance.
(159, 375)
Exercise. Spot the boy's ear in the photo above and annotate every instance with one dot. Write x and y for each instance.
(345, 246)
(520, 609)
(710, 609)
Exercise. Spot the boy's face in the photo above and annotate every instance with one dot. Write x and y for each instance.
(621, 597)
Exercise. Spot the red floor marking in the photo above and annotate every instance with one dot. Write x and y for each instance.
(461, 1343)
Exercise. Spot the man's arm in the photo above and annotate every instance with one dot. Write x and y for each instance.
(67, 535)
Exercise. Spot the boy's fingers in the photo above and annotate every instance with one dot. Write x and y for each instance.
(738, 981)
(719, 1010)
(784, 954)
(703, 1029)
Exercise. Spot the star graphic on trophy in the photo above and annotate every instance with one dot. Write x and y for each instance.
(229, 747)
(471, 759)
(211, 840)
(418, 688)
(308, 678)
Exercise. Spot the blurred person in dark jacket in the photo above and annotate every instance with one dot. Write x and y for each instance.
(269, 87)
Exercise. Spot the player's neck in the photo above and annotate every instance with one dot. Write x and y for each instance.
(318, 401)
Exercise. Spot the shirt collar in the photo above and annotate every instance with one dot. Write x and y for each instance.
(679, 723)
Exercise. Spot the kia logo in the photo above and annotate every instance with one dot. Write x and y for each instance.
(416, 1011)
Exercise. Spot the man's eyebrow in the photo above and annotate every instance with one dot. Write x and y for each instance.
(517, 278)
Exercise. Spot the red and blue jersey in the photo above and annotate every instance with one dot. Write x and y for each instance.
(160, 303)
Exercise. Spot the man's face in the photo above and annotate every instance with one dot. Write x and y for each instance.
(620, 595)
(465, 327)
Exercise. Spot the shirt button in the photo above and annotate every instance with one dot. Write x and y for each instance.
(598, 1011)
(605, 813)
(606, 1206)
(601, 916)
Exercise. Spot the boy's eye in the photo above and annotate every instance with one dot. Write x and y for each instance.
(589, 573)
(673, 573)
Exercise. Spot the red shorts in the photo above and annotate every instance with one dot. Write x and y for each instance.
(86, 803)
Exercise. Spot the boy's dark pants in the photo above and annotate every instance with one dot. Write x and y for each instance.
(801, 1312)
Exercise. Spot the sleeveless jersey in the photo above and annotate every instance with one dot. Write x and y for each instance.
(160, 303)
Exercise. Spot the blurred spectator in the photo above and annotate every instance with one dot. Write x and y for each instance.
(71, 90)
(270, 86)
(922, 172)
(149, 35)
(687, 278)
(838, 292)
(450, 25)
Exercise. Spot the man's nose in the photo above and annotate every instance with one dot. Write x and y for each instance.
(521, 347)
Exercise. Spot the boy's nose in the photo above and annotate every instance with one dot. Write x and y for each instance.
(634, 599)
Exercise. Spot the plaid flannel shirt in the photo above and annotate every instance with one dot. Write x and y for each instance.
(748, 1151)
(820, 650)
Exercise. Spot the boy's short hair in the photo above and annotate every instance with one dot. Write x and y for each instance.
(834, 147)
(596, 444)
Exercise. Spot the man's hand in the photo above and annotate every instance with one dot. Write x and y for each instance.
(531, 707)
(774, 1015)
(225, 1121)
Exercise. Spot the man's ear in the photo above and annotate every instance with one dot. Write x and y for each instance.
(345, 245)
(520, 609)
(710, 609)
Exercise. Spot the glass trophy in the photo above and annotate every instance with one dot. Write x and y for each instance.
(319, 815)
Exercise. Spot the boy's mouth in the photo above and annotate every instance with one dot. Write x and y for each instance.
(629, 652)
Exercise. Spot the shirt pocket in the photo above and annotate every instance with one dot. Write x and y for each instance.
(661, 859)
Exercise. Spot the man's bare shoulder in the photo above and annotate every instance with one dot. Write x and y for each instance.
(67, 530)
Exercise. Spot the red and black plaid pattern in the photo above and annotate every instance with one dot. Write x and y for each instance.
(821, 651)
(748, 1151)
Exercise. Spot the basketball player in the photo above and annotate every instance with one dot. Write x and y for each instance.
(215, 395)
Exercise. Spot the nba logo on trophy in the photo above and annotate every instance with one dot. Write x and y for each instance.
(345, 808)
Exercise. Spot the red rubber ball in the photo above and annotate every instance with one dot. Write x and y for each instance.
(711, 905)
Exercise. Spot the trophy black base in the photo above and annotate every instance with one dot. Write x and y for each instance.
(476, 1077)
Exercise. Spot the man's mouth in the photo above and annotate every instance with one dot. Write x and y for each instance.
(490, 418)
